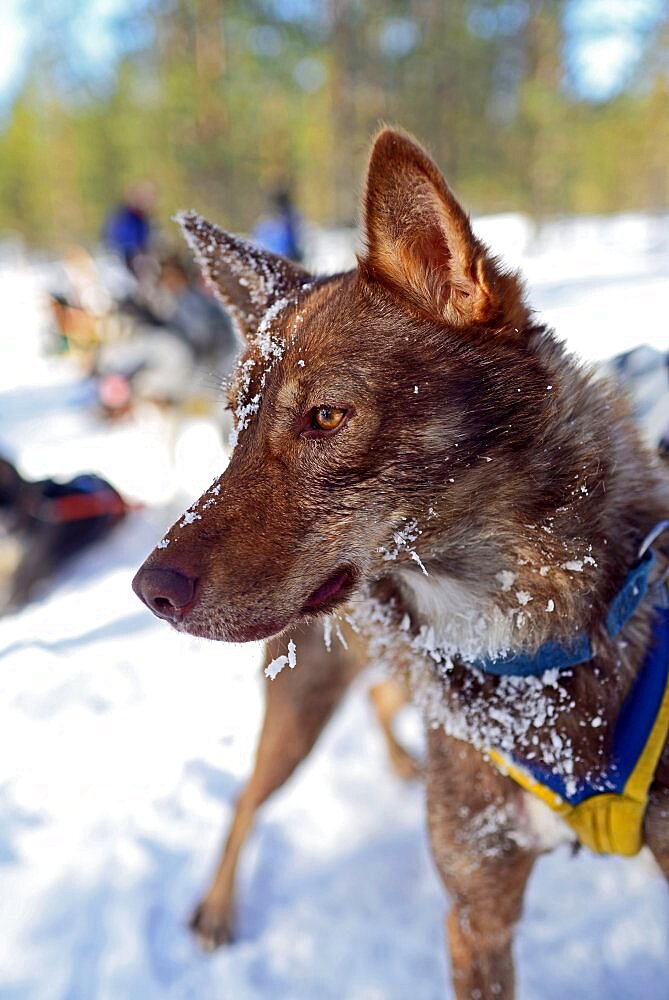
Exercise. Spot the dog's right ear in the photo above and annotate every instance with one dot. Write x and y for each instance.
(246, 279)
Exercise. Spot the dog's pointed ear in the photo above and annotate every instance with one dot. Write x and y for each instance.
(246, 279)
(419, 242)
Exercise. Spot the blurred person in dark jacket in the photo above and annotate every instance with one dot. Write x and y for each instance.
(178, 328)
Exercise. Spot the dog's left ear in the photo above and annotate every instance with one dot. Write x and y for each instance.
(247, 280)
(419, 242)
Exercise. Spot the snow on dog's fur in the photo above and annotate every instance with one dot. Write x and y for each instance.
(412, 442)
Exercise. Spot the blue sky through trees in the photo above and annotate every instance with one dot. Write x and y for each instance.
(605, 38)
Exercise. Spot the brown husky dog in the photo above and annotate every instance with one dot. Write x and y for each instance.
(412, 444)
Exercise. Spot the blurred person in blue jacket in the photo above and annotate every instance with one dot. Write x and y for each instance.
(280, 231)
(127, 229)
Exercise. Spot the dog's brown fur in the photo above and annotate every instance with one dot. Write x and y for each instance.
(472, 448)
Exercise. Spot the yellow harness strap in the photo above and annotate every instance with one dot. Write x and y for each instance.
(607, 823)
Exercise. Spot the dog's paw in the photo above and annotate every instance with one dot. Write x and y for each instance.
(211, 926)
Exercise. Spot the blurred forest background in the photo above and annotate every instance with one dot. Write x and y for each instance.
(219, 101)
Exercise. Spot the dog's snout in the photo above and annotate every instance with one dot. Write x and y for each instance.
(167, 592)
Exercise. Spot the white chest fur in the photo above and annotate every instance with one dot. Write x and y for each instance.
(462, 620)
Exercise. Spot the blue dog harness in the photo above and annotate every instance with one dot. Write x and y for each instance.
(608, 809)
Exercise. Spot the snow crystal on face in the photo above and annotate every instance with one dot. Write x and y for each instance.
(506, 578)
(352, 623)
(576, 565)
(340, 635)
(327, 633)
(274, 668)
(163, 545)
(246, 406)
(550, 604)
(271, 348)
(523, 597)
(417, 559)
(212, 495)
(189, 518)
(404, 539)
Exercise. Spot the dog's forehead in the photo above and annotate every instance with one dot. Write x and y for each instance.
(338, 318)
(325, 319)
(322, 311)
(329, 341)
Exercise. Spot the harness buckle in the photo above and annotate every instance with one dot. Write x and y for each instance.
(652, 536)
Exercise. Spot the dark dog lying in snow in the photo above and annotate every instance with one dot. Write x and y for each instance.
(44, 523)
(413, 444)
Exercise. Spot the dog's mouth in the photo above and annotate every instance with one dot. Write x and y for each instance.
(324, 599)
(332, 592)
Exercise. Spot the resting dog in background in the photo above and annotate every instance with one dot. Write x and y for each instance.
(413, 443)
(44, 523)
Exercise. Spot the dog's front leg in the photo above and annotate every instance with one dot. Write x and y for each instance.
(472, 817)
(298, 704)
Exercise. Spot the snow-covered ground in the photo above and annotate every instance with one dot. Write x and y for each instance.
(123, 745)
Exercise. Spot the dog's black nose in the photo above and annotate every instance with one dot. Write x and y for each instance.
(166, 592)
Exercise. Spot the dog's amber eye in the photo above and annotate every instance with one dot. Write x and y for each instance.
(327, 418)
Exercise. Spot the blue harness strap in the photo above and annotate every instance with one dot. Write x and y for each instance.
(560, 655)
(634, 723)
(607, 809)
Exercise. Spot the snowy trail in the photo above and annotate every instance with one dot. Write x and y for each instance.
(123, 746)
